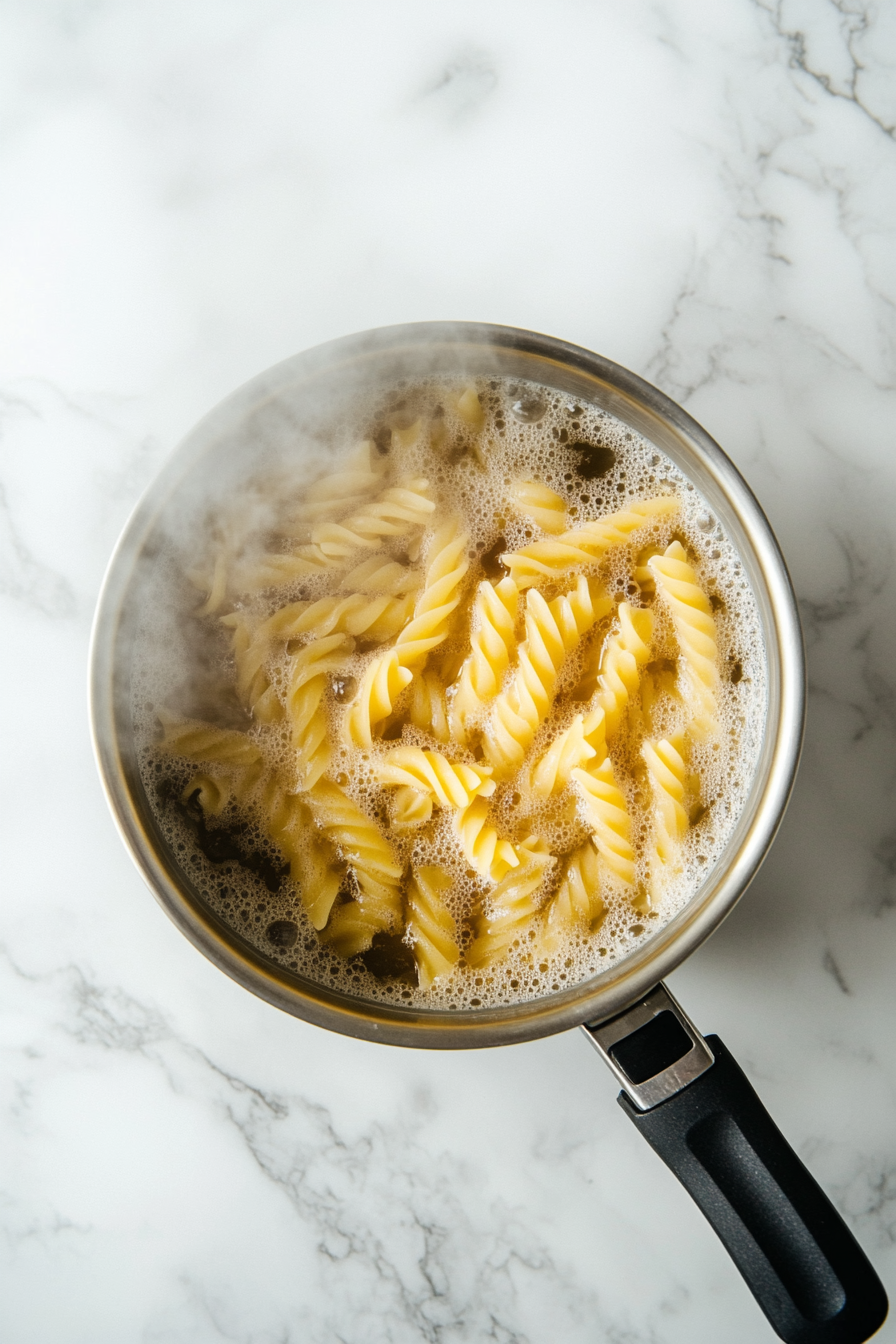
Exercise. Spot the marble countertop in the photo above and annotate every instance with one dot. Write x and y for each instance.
(704, 192)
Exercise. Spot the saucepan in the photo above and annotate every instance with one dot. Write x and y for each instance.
(683, 1091)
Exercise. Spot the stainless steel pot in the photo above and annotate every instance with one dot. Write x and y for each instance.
(684, 1092)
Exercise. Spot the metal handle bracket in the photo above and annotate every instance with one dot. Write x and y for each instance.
(677, 1074)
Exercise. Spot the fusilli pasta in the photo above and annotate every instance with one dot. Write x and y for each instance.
(512, 907)
(695, 627)
(625, 653)
(367, 852)
(411, 808)
(485, 850)
(578, 904)
(452, 784)
(427, 708)
(382, 683)
(607, 815)
(667, 773)
(552, 629)
(542, 505)
(304, 704)
(432, 931)
(583, 545)
(441, 594)
(198, 741)
(314, 864)
(341, 492)
(492, 639)
(580, 742)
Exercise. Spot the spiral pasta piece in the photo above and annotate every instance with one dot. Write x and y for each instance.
(340, 492)
(427, 708)
(393, 513)
(411, 808)
(314, 865)
(370, 856)
(695, 629)
(491, 856)
(452, 784)
(431, 929)
(441, 594)
(304, 704)
(382, 683)
(198, 741)
(492, 638)
(569, 750)
(275, 571)
(578, 904)
(253, 685)
(607, 815)
(625, 653)
(542, 505)
(512, 907)
(211, 794)
(350, 930)
(377, 619)
(583, 545)
(552, 630)
(667, 773)
(378, 575)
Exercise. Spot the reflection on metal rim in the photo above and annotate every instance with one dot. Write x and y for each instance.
(475, 349)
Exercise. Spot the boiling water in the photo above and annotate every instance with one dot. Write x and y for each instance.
(597, 465)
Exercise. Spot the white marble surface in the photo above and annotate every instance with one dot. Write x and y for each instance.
(705, 191)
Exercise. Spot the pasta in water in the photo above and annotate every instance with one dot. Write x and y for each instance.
(483, 705)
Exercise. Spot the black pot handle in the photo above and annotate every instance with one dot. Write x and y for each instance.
(694, 1105)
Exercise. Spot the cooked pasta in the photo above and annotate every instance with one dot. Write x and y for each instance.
(625, 653)
(314, 863)
(511, 909)
(542, 505)
(382, 683)
(397, 511)
(578, 904)
(552, 629)
(427, 708)
(677, 586)
(214, 584)
(197, 741)
(492, 638)
(441, 593)
(370, 856)
(432, 931)
(569, 749)
(211, 794)
(380, 575)
(667, 773)
(491, 856)
(308, 675)
(605, 810)
(411, 808)
(451, 784)
(337, 494)
(393, 513)
(473, 681)
(583, 545)
(469, 407)
(351, 929)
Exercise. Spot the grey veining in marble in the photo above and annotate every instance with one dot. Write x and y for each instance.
(705, 192)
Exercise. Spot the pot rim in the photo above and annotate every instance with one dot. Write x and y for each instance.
(470, 346)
